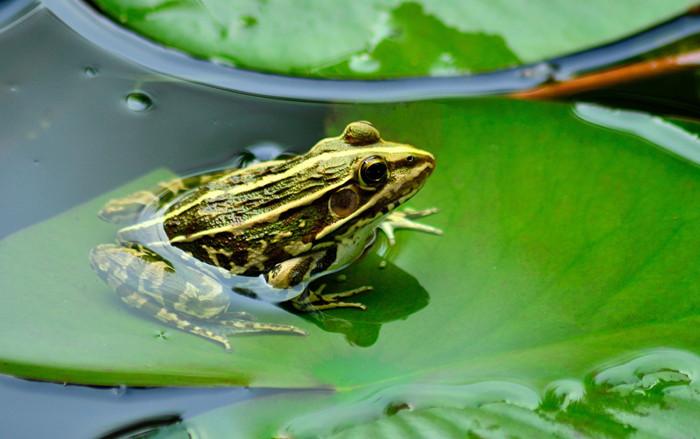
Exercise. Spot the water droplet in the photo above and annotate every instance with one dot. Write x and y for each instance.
(544, 71)
(138, 101)
(36, 162)
(566, 391)
(650, 371)
(446, 65)
(13, 88)
(363, 63)
(119, 391)
(382, 264)
(90, 72)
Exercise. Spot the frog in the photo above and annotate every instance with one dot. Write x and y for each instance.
(190, 246)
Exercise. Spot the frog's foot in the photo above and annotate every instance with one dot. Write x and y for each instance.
(188, 300)
(312, 301)
(404, 220)
(128, 208)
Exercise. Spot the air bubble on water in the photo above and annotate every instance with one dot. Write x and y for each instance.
(138, 101)
(90, 72)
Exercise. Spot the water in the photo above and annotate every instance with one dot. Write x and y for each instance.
(508, 331)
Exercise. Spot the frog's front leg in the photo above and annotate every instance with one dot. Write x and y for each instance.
(188, 300)
(296, 270)
(404, 220)
(128, 208)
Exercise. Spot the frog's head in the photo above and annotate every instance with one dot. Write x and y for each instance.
(376, 176)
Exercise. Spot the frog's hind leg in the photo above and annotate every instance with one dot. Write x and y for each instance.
(147, 305)
(189, 300)
(127, 209)
(136, 274)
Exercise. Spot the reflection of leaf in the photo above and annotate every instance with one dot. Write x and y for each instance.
(306, 37)
(396, 295)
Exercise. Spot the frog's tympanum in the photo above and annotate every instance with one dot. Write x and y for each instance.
(265, 231)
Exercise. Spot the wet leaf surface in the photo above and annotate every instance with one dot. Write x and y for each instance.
(385, 38)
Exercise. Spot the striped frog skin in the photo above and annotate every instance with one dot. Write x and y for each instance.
(265, 231)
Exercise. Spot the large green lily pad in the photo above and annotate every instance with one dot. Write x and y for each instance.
(656, 394)
(384, 38)
(566, 244)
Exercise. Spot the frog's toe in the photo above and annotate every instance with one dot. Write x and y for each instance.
(235, 326)
(128, 208)
(213, 333)
(315, 301)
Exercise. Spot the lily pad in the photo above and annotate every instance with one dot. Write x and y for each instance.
(384, 38)
(566, 244)
(654, 395)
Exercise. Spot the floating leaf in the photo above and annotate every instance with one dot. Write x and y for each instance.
(566, 243)
(384, 38)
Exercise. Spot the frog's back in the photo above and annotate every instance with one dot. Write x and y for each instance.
(251, 219)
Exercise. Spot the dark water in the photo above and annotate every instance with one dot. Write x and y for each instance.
(58, 102)
(36, 409)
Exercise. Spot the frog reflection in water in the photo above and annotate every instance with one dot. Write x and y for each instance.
(267, 230)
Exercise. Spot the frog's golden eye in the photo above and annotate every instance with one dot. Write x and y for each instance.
(344, 202)
(373, 171)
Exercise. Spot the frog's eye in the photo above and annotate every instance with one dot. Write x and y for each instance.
(344, 202)
(373, 171)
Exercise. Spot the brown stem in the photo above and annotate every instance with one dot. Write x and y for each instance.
(613, 76)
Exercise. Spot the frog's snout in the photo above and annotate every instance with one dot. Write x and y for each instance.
(422, 161)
